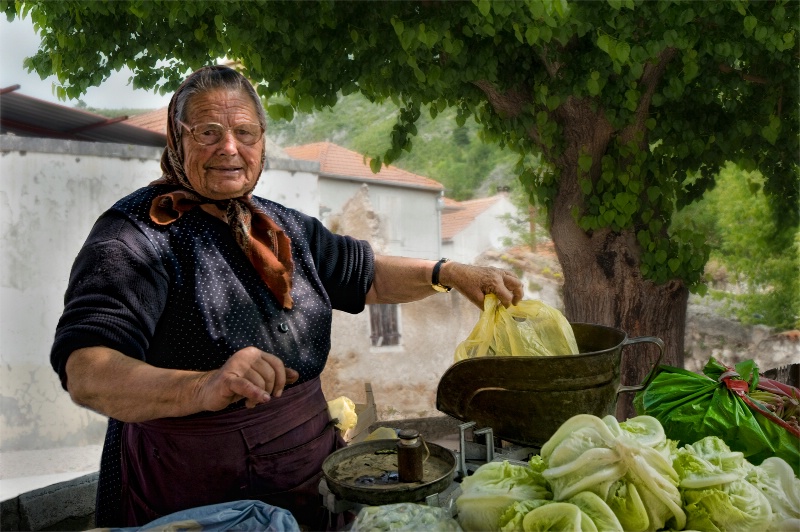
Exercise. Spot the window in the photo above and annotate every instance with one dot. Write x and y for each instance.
(384, 324)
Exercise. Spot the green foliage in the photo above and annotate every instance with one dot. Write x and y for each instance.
(453, 155)
(621, 99)
(762, 258)
(111, 113)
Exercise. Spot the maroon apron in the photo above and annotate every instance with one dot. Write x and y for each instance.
(273, 453)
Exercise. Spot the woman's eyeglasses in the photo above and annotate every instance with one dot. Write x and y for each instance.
(210, 134)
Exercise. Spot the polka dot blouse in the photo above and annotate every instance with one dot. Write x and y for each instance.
(185, 296)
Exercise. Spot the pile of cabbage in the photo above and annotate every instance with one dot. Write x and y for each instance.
(601, 475)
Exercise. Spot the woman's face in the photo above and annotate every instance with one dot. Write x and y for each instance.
(228, 169)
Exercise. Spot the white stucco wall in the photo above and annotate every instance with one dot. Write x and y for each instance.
(51, 193)
(292, 183)
(409, 216)
(486, 232)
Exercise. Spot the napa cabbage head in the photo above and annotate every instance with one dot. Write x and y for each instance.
(715, 489)
(628, 465)
(511, 519)
(775, 479)
(709, 462)
(492, 489)
(585, 512)
(736, 506)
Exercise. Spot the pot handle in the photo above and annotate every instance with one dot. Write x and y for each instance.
(651, 373)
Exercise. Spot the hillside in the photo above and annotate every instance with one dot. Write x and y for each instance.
(455, 156)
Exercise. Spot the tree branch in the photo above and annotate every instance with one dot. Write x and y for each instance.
(509, 104)
(651, 77)
(725, 69)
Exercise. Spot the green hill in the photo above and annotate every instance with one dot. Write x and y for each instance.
(455, 156)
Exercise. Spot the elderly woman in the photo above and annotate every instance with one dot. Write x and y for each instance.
(198, 319)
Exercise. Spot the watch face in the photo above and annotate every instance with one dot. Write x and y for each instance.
(440, 288)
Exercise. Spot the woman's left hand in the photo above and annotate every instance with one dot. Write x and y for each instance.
(474, 282)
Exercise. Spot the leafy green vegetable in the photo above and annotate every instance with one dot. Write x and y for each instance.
(601, 475)
(735, 506)
(627, 505)
(404, 517)
(775, 479)
(585, 511)
(709, 462)
(492, 489)
(626, 465)
(511, 520)
(716, 495)
(600, 513)
(691, 407)
(557, 516)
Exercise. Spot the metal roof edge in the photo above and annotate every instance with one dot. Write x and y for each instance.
(78, 147)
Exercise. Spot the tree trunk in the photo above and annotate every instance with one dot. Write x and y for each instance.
(603, 283)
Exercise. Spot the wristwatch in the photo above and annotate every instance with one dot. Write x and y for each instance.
(439, 287)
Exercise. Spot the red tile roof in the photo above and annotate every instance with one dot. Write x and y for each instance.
(154, 120)
(456, 220)
(337, 161)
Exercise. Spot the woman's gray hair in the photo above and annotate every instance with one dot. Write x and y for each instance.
(214, 78)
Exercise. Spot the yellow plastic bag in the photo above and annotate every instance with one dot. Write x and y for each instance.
(530, 328)
(343, 410)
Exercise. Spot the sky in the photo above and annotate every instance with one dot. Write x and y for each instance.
(18, 40)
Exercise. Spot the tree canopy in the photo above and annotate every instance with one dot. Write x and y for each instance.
(633, 106)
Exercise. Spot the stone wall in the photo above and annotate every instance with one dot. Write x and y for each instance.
(709, 334)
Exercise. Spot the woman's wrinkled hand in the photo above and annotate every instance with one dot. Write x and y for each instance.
(249, 374)
(474, 282)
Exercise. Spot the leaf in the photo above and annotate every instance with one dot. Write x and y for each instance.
(750, 23)
(255, 60)
(604, 43)
(375, 165)
(585, 163)
(674, 264)
(398, 25)
(275, 111)
(532, 35)
(622, 52)
(306, 103)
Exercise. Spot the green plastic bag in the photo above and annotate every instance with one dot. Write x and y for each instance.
(530, 328)
(692, 406)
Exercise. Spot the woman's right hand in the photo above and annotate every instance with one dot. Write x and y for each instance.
(249, 374)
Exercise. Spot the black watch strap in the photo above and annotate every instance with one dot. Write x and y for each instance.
(439, 287)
